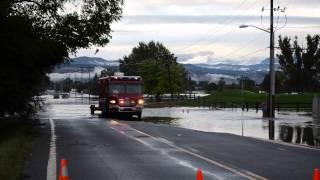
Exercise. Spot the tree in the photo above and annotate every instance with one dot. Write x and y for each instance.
(39, 34)
(221, 84)
(300, 66)
(205, 85)
(157, 66)
(247, 83)
(67, 85)
(93, 85)
(80, 25)
(311, 60)
(189, 84)
(280, 85)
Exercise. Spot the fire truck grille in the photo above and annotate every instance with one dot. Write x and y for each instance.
(129, 102)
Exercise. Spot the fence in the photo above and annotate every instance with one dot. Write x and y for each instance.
(258, 106)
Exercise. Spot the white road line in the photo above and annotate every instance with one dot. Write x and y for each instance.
(242, 173)
(52, 168)
(287, 144)
(164, 152)
(193, 150)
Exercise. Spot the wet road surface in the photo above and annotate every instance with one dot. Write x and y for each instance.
(107, 148)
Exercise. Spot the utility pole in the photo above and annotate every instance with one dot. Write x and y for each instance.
(89, 84)
(271, 64)
(271, 97)
(272, 77)
(82, 84)
(75, 85)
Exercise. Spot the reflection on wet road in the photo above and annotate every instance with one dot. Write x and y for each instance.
(289, 126)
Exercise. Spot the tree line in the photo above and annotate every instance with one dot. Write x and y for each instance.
(159, 68)
(81, 86)
(299, 66)
(37, 35)
(299, 69)
(163, 74)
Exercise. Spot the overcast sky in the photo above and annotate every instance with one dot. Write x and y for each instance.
(207, 31)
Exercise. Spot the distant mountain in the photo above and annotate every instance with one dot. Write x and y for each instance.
(230, 72)
(76, 64)
(199, 72)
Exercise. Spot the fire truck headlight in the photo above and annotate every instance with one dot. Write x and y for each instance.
(140, 101)
(112, 101)
(121, 101)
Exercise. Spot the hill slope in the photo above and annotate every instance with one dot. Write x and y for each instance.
(76, 64)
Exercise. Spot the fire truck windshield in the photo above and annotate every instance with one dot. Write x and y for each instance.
(125, 89)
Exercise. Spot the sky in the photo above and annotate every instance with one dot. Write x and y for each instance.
(207, 31)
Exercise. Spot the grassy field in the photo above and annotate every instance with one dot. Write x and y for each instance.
(238, 97)
(16, 136)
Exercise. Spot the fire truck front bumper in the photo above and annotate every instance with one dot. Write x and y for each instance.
(133, 109)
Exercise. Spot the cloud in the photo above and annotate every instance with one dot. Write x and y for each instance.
(77, 75)
(200, 53)
(198, 57)
(170, 19)
(215, 78)
(207, 30)
(205, 53)
(193, 3)
(217, 7)
(202, 57)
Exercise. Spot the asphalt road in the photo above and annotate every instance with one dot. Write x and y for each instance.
(108, 148)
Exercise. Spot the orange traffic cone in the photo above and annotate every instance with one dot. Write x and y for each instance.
(63, 175)
(316, 174)
(199, 175)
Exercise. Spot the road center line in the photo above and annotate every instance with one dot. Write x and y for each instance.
(242, 173)
(52, 168)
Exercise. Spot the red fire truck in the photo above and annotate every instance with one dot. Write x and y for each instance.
(120, 94)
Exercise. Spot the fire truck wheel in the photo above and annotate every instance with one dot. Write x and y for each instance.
(92, 108)
(139, 116)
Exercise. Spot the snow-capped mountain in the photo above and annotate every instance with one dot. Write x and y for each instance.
(79, 67)
(76, 64)
(230, 72)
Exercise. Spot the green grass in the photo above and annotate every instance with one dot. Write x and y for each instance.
(235, 96)
(238, 97)
(16, 137)
(299, 98)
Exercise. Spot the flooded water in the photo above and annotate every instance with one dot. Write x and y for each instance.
(292, 127)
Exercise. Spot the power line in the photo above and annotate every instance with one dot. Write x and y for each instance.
(253, 52)
(226, 33)
(301, 27)
(240, 48)
(230, 17)
(230, 31)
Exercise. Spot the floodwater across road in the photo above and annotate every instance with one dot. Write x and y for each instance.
(113, 148)
(289, 126)
(295, 127)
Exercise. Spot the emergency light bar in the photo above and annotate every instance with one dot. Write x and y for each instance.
(137, 78)
(126, 77)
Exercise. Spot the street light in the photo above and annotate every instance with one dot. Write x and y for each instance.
(271, 65)
(245, 26)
